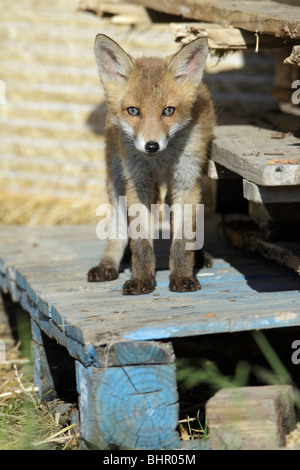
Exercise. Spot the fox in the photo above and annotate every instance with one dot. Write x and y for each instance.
(159, 127)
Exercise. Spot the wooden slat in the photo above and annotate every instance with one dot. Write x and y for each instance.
(237, 294)
(245, 236)
(222, 37)
(236, 422)
(259, 155)
(264, 17)
(273, 194)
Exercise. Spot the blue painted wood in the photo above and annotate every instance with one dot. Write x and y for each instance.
(135, 406)
(240, 292)
(125, 373)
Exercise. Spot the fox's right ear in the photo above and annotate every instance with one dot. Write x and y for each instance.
(113, 63)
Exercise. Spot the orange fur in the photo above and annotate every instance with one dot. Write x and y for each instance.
(159, 127)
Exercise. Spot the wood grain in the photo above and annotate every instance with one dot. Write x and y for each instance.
(49, 279)
(236, 422)
(244, 236)
(264, 17)
(222, 37)
(271, 194)
(133, 408)
(257, 154)
(121, 347)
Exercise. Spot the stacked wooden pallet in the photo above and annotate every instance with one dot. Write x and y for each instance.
(89, 340)
(117, 352)
(251, 159)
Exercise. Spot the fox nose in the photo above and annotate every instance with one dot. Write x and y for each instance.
(151, 147)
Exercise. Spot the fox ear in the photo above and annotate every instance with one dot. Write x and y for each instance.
(113, 63)
(188, 64)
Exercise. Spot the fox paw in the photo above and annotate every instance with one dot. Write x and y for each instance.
(203, 259)
(184, 284)
(138, 286)
(207, 260)
(102, 273)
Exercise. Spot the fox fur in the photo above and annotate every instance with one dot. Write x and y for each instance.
(159, 127)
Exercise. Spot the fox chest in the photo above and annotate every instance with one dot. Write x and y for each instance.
(165, 169)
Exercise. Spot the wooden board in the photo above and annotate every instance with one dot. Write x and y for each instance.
(236, 422)
(270, 194)
(259, 155)
(45, 269)
(123, 12)
(263, 17)
(245, 235)
(222, 37)
(116, 351)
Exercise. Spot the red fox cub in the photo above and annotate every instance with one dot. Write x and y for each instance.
(159, 127)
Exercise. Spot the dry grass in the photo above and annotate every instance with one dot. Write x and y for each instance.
(25, 422)
(20, 209)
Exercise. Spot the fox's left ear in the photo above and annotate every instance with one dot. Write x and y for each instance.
(188, 64)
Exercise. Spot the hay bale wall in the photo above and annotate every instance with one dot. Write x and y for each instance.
(51, 124)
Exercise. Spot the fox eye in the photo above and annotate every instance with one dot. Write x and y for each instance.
(168, 111)
(133, 111)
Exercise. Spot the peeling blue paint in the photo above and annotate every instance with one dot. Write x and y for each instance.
(148, 333)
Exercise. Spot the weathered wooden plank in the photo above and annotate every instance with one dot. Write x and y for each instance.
(245, 236)
(124, 13)
(257, 154)
(237, 294)
(125, 371)
(221, 37)
(262, 17)
(273, 194)
(237, 423)
(215, 171)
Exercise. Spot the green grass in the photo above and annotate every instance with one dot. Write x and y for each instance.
(204, 376)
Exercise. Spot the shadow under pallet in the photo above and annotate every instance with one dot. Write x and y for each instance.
(118, 349)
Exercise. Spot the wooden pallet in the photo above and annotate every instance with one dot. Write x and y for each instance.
(117, 350)
(266, 17)
(263, 165)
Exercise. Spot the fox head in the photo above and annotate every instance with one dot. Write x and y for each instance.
(150, 98)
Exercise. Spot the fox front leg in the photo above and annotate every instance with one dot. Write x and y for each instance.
(116, 243)
(143, 259)
(182, 278)
(143, 269)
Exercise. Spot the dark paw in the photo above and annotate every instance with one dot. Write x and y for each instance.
(207, 260)
(184, 284)
(203, 259)
(102, 273)
(138, 287)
